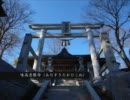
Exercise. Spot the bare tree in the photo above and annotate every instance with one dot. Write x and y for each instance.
(9, 41)
(18, 13)
(114, 13)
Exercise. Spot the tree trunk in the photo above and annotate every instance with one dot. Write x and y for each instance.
(125, 58)
(122, 54)
(1, 53)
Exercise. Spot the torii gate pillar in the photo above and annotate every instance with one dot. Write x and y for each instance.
(94, 59)
(37, 62)
(108, 52)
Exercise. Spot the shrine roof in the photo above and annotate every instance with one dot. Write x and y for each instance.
(64, 54)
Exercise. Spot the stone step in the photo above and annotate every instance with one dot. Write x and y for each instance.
(59, 90)
(67, 93)
(66, 87)
(66, 82)
(62, 97)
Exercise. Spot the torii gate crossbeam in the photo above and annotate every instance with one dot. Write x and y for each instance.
(59, 26)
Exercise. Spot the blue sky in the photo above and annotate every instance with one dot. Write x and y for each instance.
(56, 11)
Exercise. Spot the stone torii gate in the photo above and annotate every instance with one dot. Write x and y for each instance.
(65, 28)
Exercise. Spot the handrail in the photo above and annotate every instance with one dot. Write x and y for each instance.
(41, 91)
(92, 92)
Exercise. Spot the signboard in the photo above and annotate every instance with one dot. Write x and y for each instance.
(66, 28)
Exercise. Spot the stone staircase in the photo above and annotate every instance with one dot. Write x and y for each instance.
(66, 93)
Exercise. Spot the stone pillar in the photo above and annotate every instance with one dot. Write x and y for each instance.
(90, 70)
(43, 66)
(81, 66)
(113, 82)
(23, 57)
(94, 59)
(49, 67)
(108, 52)
(37, 62)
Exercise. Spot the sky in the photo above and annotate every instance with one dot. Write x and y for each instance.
(56, 11)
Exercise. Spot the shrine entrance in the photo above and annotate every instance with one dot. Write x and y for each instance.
(65, 28)
(93, 64)
(65, 61)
